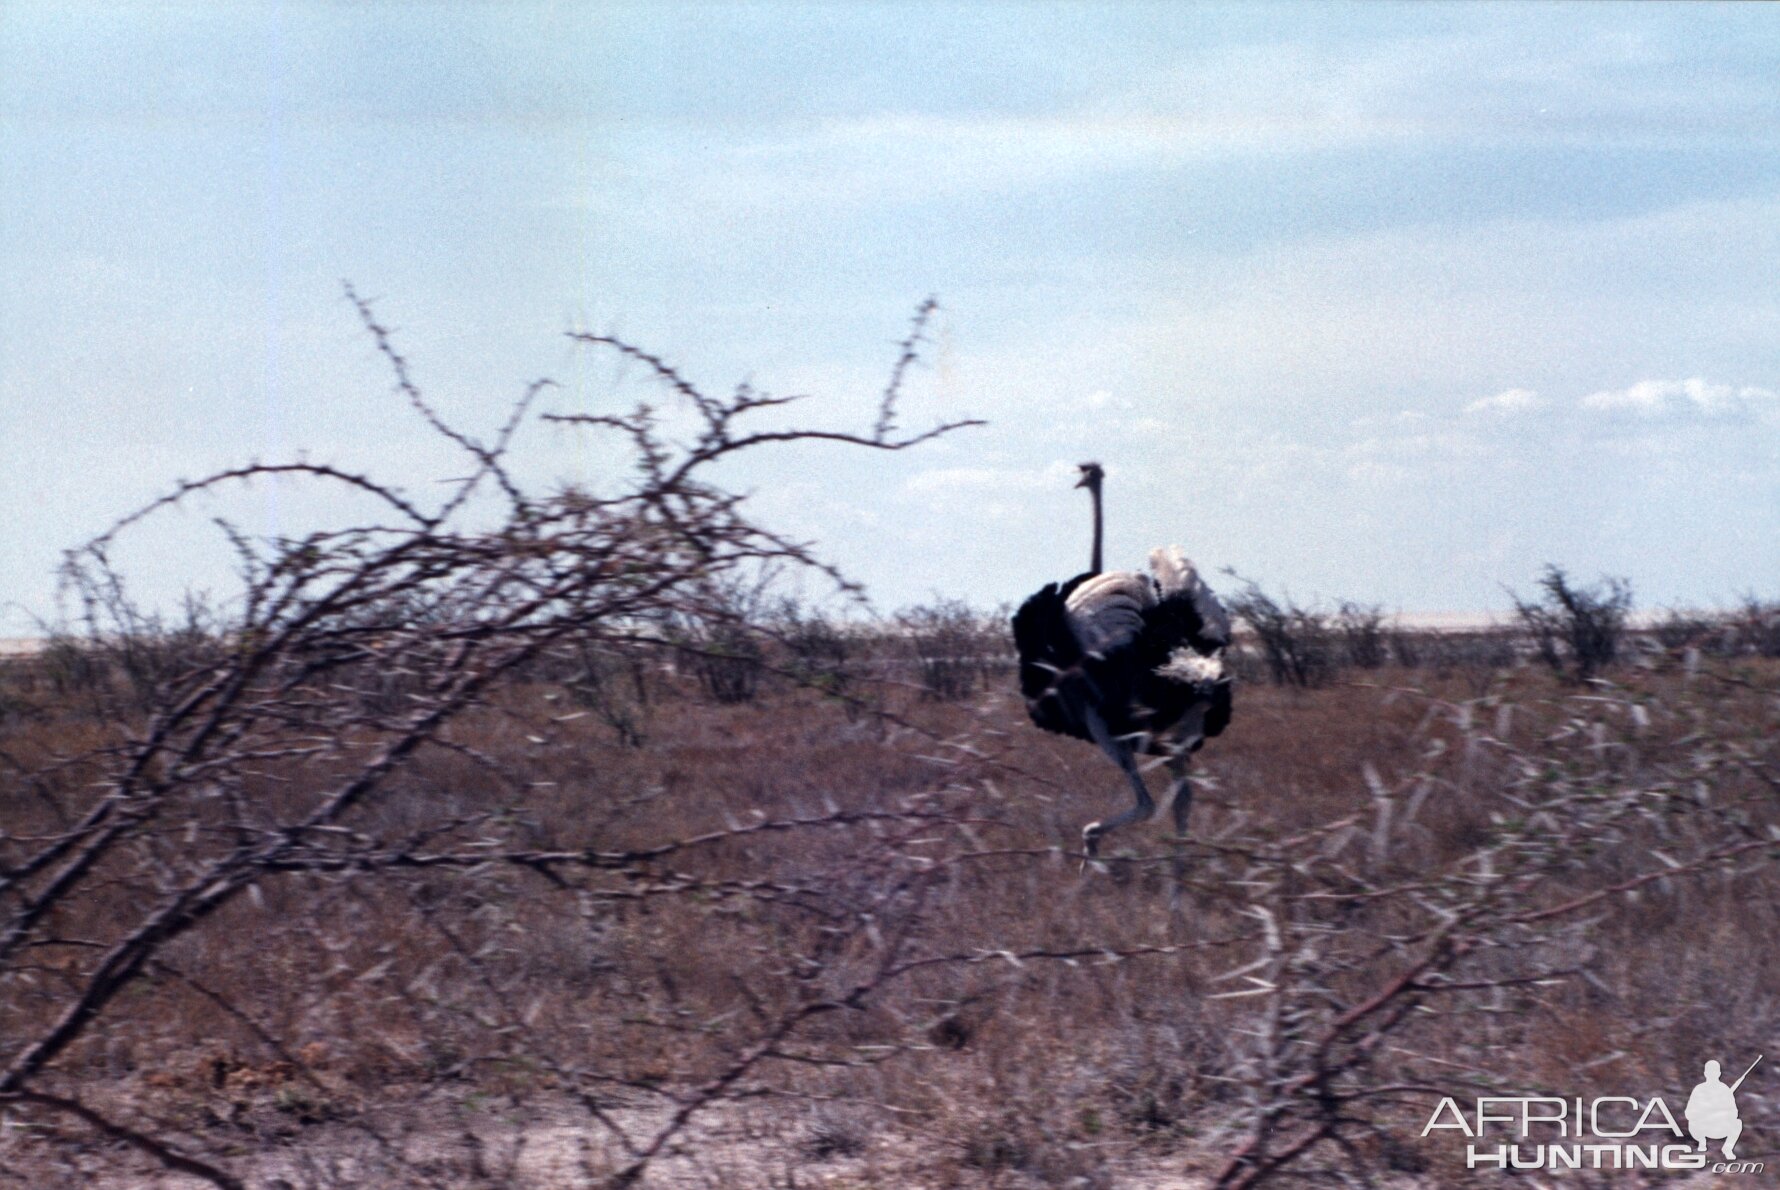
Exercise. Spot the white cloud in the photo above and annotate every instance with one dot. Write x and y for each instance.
(990, 480)
(1514, 400)
(1693, 397)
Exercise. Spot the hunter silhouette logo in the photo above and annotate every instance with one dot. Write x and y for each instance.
(1712, 1110)
(1606, 1132)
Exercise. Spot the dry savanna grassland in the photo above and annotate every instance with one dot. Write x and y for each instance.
(527, 840)
(829, 929)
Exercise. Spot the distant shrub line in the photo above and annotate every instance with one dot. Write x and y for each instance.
(747, 639)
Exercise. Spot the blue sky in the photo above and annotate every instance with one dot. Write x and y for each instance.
(1386, 302)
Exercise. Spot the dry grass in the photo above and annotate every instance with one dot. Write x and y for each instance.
(862, 944)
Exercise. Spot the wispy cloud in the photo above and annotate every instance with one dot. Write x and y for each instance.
(990, 480)
(1678, 399)
(1514, 400)
(1212, 105)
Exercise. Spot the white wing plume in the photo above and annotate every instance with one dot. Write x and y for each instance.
(1176, 576)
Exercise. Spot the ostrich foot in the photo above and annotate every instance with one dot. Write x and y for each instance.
(1091, 836)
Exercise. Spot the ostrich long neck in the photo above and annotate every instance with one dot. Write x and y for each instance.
(1094, 564)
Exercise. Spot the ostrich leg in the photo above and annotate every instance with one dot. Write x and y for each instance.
(1180, 787)
(1181, 790)
(1122, 756)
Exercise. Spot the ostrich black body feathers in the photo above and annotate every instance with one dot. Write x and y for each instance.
(1137, 678)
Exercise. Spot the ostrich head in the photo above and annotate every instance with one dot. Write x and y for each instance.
(1092, 473)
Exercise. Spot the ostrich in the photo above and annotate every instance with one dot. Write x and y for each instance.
(1131, 661)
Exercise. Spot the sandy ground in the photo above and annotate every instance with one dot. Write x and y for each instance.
(735, 1148)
